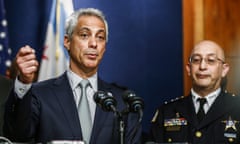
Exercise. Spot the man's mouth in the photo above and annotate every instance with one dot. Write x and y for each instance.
(202, 76)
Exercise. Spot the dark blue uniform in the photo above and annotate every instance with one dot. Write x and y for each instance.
(177, 122)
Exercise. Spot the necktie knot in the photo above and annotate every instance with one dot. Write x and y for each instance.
(84, 83)
(202, 101)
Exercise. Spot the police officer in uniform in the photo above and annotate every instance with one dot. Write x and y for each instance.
(209, 115)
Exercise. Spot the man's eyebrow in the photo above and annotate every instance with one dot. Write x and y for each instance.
(210, 54)
(101, 31)
(84, 28)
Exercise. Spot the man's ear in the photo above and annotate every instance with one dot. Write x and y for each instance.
(67, 42)
(225, 70)
(188, 68)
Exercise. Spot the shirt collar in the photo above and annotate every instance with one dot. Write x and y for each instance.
(75, 79)
(210, 97)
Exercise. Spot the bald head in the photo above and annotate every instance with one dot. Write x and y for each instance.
(207, 46)
(207, 67)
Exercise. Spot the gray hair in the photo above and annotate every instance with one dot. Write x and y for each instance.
(72, 20)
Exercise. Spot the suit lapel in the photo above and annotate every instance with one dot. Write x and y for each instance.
(65, 98)
(100, 116)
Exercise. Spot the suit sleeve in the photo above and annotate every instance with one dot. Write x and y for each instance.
(18, 118)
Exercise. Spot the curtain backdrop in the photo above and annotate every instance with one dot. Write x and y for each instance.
(144, 51)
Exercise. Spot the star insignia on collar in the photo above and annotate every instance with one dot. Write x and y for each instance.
(230, 124)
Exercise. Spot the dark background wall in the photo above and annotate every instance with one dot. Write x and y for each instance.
(144, 51)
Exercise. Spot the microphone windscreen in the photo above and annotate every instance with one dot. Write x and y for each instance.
(105, 100)
(127, 95)
(98, 96)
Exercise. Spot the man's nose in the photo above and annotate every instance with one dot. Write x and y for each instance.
(92, 42)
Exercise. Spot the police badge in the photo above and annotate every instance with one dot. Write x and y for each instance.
(230, 129)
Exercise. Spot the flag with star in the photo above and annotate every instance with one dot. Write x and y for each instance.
(5, 51)
(55, 58)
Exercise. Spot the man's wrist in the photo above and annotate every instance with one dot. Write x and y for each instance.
(21, 88)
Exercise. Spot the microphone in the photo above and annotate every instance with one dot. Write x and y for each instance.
(105, 100)
(135, 104)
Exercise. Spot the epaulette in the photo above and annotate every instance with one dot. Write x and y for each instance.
(173, 100)
(232, 94)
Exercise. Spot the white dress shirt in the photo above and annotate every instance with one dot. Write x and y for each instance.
(210, 99)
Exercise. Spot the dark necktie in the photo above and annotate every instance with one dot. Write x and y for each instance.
(201, 113)
(84, 112)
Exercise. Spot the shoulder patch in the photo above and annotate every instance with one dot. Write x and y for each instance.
(173, 100)
(155, 116)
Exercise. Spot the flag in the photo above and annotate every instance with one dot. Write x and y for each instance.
(5, 51)
(55, 58)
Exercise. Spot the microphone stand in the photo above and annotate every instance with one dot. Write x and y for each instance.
(121, 128)
(120, 123)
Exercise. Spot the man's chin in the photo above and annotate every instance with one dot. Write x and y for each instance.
(91, 64)
(91, 67)
(202, 85)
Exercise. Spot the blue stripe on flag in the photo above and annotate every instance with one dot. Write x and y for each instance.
(5, 51)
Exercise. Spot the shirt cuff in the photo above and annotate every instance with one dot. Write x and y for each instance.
(20, 88)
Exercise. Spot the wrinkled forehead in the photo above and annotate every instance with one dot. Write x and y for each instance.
(206, 48)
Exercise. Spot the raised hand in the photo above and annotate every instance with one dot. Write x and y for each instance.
(27, 64)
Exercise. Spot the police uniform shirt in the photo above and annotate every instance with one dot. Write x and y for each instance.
(210, 98)
(176, 121)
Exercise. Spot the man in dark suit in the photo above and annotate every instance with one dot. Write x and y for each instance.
(48, 111)
(5, 86)
(209, 115)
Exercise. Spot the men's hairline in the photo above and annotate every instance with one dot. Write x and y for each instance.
(71, 22)
(220, 51)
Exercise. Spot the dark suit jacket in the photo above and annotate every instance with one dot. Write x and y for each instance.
(5, 87)
(177, 122)
(48, 112)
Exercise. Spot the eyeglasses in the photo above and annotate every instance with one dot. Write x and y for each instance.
(210, 60)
